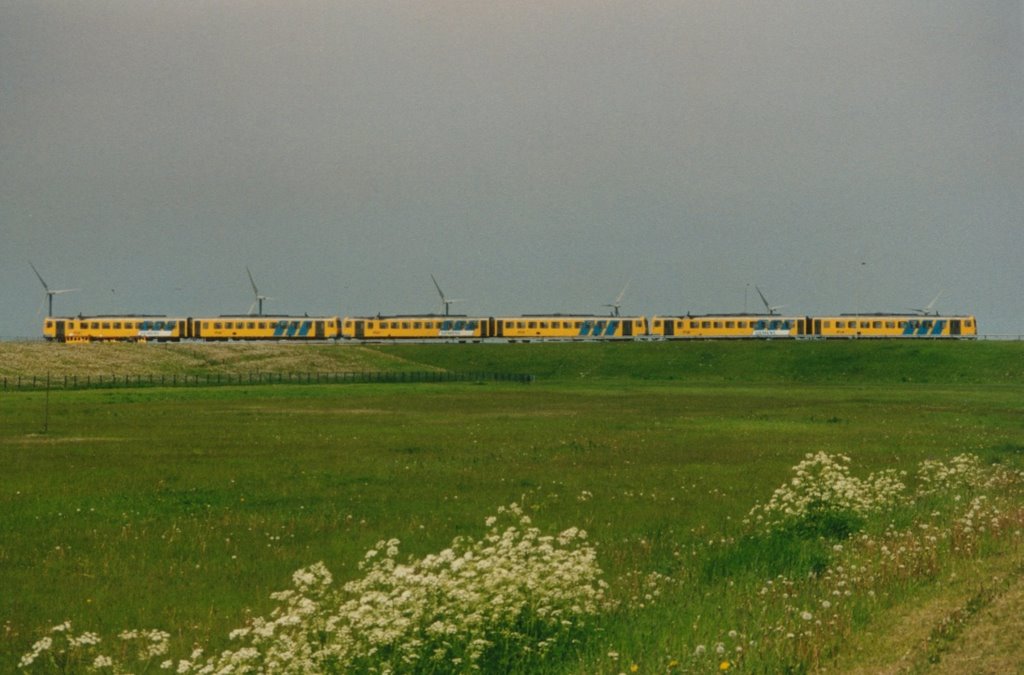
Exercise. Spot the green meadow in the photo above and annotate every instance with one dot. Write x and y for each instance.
(183, 509)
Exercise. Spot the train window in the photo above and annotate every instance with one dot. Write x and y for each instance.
(250, 325)
(730, 324)
(890, 324)
(533, 324)
(49, 324)
(106, 324)
(418, 325)
(876, 324)
(217, 325)
(405, 325)
(544, 324)
(117, 325)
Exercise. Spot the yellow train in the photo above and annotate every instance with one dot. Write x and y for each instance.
(136, 328)
(414, 327)
(526, 328)
(512, 328)
(265, 328)
(893, 326)
(728, 326)
(568, 327)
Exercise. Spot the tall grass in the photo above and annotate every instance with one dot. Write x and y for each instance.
(182, 511)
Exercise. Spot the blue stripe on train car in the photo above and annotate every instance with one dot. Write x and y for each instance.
(612, 325)
(584, 329)
(908, 329)
(922, 329)
(304, 331)
(279, 329)
(939, 325)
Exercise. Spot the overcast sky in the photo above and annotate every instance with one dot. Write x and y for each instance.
(534, 156)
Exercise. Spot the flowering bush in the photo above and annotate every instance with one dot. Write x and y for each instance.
(477, 605)
(821, 487)
(962, 472)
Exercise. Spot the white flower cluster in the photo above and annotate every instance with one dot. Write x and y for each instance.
(64, 651)
(822, 483)
(513, 592)
(962, 472)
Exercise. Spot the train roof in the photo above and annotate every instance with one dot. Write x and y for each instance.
(380, 317)
(559, 315)
(80, 317)
(911, 315)
(726, 315)
(265, 316)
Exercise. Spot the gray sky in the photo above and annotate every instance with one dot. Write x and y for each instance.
(533, 155)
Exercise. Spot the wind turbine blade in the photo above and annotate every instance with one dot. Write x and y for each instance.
(38, 276)
(618, 300)
(763, 299)
(252, 281)
(438, 287)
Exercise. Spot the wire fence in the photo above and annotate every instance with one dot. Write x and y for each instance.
(115, 381)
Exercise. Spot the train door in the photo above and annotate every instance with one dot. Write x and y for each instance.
(319, 330)
(360, 329)
(197, 329)
(60, 334)
(954, 327)
(817, 327)
(627, 328)
(670, 326)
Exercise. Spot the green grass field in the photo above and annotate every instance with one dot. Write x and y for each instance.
(183, 509)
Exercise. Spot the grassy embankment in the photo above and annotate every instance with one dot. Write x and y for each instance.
(184, 509)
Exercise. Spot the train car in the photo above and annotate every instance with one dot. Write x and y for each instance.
(728, 326)
(893, 326)
(301, 328)
(414, 327)
(568, 327)
(115, 328)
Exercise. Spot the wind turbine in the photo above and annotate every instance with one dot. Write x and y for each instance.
(49, 293)
(771, 309)
(929, 308)
(259, 298)
(445, 300)
(618, 300)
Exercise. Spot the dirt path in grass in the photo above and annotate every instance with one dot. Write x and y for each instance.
(976, 627)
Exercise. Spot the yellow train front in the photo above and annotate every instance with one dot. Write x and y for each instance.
(568, 327)
(127, 328)
(893, 326)
(299, 328)
(414, 327)
(728, 326)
